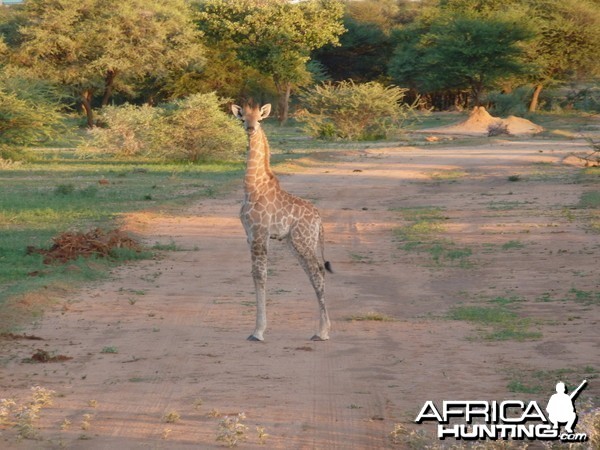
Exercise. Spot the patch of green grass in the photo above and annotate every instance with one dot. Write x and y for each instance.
(511, 245)
(485, 315)
(505, 324)
(518, 387)
(543, 381)
(370, 317)
(448, 175)
(589, 199)
(506, 205)
(419, 230)
(110, 349)
(589, 206)
(361, 258)
(57, 191)
(421, 234)
(421, 213)
(170, 247)
(503, 301)
(584, 297)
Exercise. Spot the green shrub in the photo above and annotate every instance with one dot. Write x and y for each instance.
(198, 130)
(584, 99)
(29, 115)
(127, 130)
(351, 111)
(515, 103)
(192, 129)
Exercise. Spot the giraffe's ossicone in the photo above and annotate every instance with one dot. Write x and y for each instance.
(269, 212)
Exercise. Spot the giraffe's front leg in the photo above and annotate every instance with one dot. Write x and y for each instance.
(259, 274)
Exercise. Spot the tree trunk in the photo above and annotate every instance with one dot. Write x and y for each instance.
(535, 98)
(86, 102)
(109, 82)
(284, 89)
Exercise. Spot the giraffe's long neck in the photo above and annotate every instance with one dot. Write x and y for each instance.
(258, 169)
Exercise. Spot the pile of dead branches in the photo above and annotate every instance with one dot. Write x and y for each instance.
(591, 158)
(70, 245)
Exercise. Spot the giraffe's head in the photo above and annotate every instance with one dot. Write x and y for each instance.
(251, 115)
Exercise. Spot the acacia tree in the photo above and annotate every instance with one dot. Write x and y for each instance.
(458, 52)
(365, 46)
(274, 37)
(98, 46)
(567, 45)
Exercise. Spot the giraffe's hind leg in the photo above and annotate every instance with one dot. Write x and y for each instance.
(307, 256)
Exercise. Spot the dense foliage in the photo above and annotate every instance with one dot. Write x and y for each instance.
(192, 129)
(29, 114)
(274, 37)
(346, 110)
(449, 53)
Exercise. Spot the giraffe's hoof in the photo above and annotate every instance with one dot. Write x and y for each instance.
(254, 339)
(316, 337)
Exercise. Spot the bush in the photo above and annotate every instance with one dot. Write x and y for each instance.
(29, 115)
(351, 111)
(127, 130)
(192, 129)
(515, 103)
(198, 130)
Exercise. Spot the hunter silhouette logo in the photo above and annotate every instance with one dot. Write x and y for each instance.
(560, 406)
(509, 419)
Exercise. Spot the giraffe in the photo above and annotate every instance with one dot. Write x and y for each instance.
(269, 212)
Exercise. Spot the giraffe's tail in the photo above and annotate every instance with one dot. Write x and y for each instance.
(327, 264)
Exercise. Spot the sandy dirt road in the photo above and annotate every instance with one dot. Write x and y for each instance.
(168, 335)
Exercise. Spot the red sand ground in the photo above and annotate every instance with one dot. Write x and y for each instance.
(169, 334)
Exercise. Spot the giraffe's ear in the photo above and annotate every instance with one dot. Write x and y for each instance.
(265, 111)
(237, 111)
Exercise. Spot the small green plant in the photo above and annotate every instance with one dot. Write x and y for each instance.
(64, 189)
(231, 430)
(110, 349)
(23, 417)
(41, 396)
(214, 413)
(86, 422)
(448, 175)
(510, 245)
(172, 417)
(262, 435)
(171, 247)
(412, 439)
(497, 129)
(7, 407)
(370, 317)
